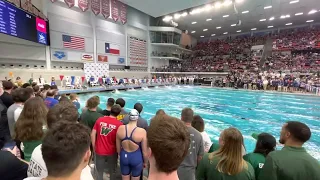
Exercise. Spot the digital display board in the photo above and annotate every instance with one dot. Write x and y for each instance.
(18, 23)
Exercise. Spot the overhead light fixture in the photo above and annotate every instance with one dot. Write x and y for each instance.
(245, 12)
(202, 36)
(184, 14)
(225, 15)
(239, 31)
(227, 2)
(225, 33)
(205, 29)
(239, 1)
(218, 27)
(309, 21)
(270, 26)
(213, 34)
(167, 18)
(288, 15)
(271, 19)
(194, 23)
(262, 19)
(217, 5)
(282, 17)
(312, 11)
(253, 29)
(299, 14)
(177, 16)
(267, 7)
(209, 19)
(288, 24)
(233, 25)
(293, 2)
(196, 11)
(193, 32)
(208, 7)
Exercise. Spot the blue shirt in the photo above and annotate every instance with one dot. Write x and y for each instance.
(76, 104)
(50, 102)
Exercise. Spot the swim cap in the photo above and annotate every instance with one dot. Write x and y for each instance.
(133, 115)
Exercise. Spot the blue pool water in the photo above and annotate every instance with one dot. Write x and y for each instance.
(221, 108)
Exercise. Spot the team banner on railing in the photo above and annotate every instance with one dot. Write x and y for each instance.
(105, 8)
(114, 10)
(70, 3)
(123, 12)
(95, 6)
(83, 5)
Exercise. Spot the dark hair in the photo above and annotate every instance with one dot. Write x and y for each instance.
(51, 93)
(110, 102)
(64, 147)
(73, 96)
(64, 111)
(7, 85)
(168, 138)
(46, 87)
(25, 85)
(138, 107)
(160, 112)
(2, 142)
(20, 95)
(54, 87)
(115, 110)
(36, 88)
(93, 102)
(198, 123)
(187, 115)
(266, 143)
(63, 98)
(121, 102)
(299, 131)
(34, 84)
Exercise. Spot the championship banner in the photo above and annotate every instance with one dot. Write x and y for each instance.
(123, 12)
(29, 6)
(95, 6)
(24, 4)
(83, 5)
(70, 3)
(114, 10)
(105, 8)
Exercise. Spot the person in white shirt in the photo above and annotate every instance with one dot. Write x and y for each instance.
(198, 124)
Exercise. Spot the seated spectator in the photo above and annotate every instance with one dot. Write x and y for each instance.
(6, 97)
(266, 143)
(110, 103)
(142, 123)
(198, 124)
(168, 143)
(50, 101)
(30, 126)
(75, 100)
(123, 113)
(292, 162)
(227, 162)
(66, 151)
(90, 116)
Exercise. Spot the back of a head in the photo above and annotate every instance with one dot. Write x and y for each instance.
(198, 123)
(187, 115)
(73, 97)
(64, 111)
(64, 98)
(25, 85)
(121, 102)
(160, 112)
(46, 87)
(110, 102)
(93, 102)
(266, 143)
(21, 95)
(138, 107)
(231, 161)
(54, 87)
(51, 93)
(66, 147)
(300, 131)
(7, 85)
(115, 110)
(36, 88)
(169, 140)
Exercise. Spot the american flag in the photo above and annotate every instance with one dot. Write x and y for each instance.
(73, 42)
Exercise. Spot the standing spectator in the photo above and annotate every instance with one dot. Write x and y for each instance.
(123, 113)
(227, 162)
(4, 127)
(198, 124)
(292, 162)
(142, 123)
(90, 116)
(103, 138)
(99, 110)
(31, 124)
(6, 97)
(110, 103)
(74, 99)
(50, 101)
(132, 147)
(188, 166)
(168, 143)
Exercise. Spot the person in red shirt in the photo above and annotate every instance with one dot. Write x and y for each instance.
(103, 138)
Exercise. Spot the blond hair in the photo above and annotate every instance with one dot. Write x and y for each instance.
(230, 154)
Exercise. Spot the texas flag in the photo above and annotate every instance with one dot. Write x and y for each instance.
(112, 49)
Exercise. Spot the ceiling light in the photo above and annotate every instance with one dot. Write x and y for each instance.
(184, 14)
(205, 30)
(227, 2)
(193, 32)
(239, 1)
(219, 27)
(202, 36)
(167, 18)
(196, 11)
(244, 12)
(253, 29)
(298, 14)
(293, 2)
(233, 25)
(270, 26)
(239, 31)
(209, 19)
(263, 19)
(225, 15)
(177, 16)
(271, 19)
(282, 17)
(288, 15)
(213, 34)
(288, 24)
(312, 11)
(309, 21)
(194, 23)
(217, 5)
(267, 7)
(208, 7)
(225, 33)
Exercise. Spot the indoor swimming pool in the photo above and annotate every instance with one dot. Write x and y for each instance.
(221, 108)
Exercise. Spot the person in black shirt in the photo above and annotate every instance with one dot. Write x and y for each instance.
(6, 97)
(4, 126)
(110, 103)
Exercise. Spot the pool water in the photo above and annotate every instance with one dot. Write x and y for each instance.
(248, 111)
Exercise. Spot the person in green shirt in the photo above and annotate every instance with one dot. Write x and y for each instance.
(266, 143)
(227, 162)
(90, 116)
(292, 162)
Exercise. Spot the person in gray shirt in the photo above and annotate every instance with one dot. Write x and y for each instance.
(142, 123)
(187, 168)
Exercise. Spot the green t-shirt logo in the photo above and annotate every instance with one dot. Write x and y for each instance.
(105, 131)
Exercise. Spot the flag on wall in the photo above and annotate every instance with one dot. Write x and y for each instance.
(114, 10)
(112, 49)
(73, 42)
(70, 3)
(95, 6)
(123, 12)
(105, 8)
(83, 5)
